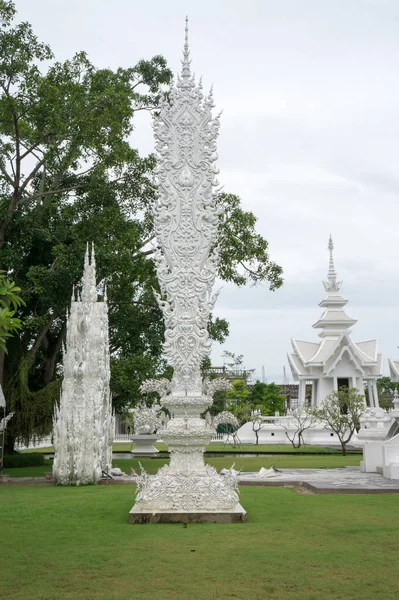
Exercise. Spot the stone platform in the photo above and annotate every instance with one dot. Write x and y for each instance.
(347, 480)
(138, 516)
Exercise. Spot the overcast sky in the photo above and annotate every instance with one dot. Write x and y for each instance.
(309, 140)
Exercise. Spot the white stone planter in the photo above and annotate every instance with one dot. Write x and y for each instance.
(144, 445)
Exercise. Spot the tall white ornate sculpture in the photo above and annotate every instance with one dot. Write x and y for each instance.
(83, 422)
(186, 218)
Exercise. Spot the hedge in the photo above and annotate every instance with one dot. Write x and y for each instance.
(29, 459)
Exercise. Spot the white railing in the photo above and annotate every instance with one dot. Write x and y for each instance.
(122, 437)
(219, 437)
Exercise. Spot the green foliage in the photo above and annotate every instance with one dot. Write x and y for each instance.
(10, 301)
(238, 400)
(18, 460)
(385, 389)
(239, 393)
(341, 411)
(244, 253)
(267, 397)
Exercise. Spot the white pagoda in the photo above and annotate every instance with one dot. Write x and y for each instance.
(336, 361)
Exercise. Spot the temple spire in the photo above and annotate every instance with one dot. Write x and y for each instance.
(186, 79)
(334, 321)
(331, 285)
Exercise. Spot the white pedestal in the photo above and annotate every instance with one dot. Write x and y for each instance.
(140, 516)
(372, 456)
(390, 453)
(144, 445)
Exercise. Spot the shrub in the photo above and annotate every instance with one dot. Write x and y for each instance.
(30, 459)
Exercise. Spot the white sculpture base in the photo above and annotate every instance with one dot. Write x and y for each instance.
(190, 496)
(141, 516)
(390, 457)
(372, 456)
(144, 445)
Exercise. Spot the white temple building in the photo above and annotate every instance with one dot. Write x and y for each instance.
(394, 369)
(335, 361)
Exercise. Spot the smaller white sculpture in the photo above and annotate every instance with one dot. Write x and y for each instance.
(161, 386)
(211, 386)
(83, 420)
(4, 421)
(225, 418)
(147, 419)
(267, 473)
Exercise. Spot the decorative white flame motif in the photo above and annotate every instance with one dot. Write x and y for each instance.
(186, 217)
(83, 422)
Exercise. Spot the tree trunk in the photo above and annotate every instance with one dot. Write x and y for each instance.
(2, 357)
(9, 443)
(343, 445)
(51, 360)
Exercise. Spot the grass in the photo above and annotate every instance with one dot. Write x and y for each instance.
(226, 449)
(247, 463)
(75, 544)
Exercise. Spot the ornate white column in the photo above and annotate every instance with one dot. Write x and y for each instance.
(83, 421)
(301, 393)
(375, 393)
(186, 218)
(370, 393)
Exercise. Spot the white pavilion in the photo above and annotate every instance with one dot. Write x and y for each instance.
(336, 361)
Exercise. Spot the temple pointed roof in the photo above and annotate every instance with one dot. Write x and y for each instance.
(334, 321)
(335, 332)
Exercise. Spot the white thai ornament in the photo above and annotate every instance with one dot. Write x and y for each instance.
(226, 418)
(147, 419)
(83, 422)
(160, 386)
(186, 218)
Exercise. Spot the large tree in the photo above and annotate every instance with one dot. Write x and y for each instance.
(68, 175)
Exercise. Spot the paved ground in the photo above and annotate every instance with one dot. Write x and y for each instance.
(345, 480)
(348, 480)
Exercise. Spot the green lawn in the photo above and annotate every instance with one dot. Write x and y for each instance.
(75, 544)
(251, 448)
(248, 463)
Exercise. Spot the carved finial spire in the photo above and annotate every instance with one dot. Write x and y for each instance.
(186, 79)
(331, 285)
(331, 267)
